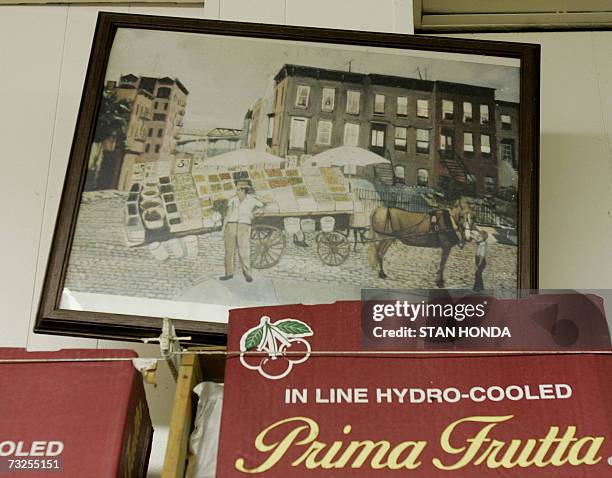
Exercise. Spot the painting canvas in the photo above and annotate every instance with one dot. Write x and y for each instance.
(229, 170)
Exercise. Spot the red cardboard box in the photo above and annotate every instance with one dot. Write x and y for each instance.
(325, 411)
(73, 419)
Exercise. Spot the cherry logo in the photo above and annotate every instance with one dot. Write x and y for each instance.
(284, 343)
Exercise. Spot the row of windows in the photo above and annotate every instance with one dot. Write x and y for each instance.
(448, 112)
(423, 178)
(353, 102)
(142, 111)
(165, 92)
(136, 130)
(156, 148)
(164, 105)
(297, 137)
(422, 175)
(328, 101)
(468, 143)
(380, 102)
(401, 139)
(160, 132)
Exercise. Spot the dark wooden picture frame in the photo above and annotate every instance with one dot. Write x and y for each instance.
(54, 320)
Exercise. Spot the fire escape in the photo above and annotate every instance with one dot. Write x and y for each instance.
(458, 173)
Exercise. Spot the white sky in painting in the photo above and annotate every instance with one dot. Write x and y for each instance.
(226, 75)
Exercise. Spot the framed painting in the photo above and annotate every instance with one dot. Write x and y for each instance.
(218, 165)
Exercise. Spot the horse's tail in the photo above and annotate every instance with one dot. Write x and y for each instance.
(372, 252)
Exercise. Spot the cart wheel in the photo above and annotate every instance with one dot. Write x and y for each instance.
(333, 248)
(267, 246)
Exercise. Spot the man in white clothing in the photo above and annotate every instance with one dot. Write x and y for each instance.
(237, 230)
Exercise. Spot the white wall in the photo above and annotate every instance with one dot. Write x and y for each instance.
(575, 157)
(44, 53)
(43, 56)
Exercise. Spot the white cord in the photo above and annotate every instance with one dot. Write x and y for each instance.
(318, 353)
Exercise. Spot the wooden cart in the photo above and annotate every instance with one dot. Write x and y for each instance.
(269, 237)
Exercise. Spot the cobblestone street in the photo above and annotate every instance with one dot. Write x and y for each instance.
(102, 263)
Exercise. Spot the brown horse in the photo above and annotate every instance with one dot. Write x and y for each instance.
(443, 228)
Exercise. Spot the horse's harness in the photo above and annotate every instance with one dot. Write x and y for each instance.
(409, 231)
(403, 232)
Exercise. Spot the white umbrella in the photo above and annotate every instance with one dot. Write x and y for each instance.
(243, 158)
(348, 156)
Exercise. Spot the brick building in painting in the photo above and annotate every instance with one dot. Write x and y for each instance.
(429, 130)
(157, 108)
(466, 139)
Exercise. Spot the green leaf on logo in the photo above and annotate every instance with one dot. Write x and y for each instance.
(294, 327)
(253, 340)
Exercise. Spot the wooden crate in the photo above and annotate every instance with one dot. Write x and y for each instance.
(194, 369)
